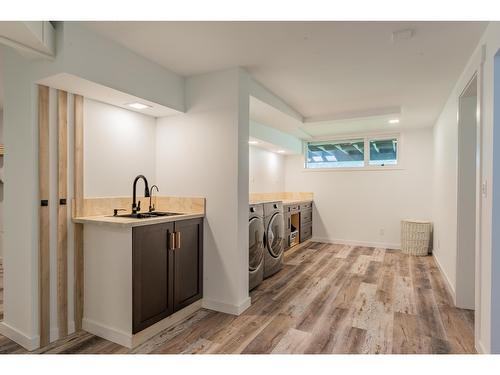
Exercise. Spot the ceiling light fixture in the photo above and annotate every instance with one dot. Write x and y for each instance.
(394, 121)
(280, 151)
(253, 142)
(138, 105)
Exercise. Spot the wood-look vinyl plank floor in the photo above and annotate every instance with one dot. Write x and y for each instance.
(328, 298)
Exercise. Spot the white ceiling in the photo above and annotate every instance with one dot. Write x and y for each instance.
(321, 69)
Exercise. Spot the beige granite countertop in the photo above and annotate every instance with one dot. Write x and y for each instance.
(99, 211)
(285, 202)
(288, 198)
(126, 222)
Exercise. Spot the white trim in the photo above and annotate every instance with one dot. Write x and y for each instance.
(479, 201)
(384, 245)
(108, 333)
(130, 340)
(29, 343)
(147, 333)
(449, 285)
(226, 307)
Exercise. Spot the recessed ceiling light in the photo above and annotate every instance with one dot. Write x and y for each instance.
(138, 105)
(253, 142)
(280, 151)
(400, 35)
(394, 121)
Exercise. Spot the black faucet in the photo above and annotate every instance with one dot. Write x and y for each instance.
(137, 207)
(152, 207)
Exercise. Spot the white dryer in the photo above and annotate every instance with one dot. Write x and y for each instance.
(256, 238)
(275, 238)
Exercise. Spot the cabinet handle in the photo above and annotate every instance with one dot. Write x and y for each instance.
(172, 241)
(177, 240)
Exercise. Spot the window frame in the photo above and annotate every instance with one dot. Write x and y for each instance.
(366, 138)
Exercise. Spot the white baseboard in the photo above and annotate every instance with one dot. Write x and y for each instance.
(449, 286)
(226, 307)
(28, 342)
(130, 340)
(166, 323)
(358, 243)
(108, 333)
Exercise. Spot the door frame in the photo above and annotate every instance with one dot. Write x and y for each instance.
(466, 126)
(477, 75)
(479, 194)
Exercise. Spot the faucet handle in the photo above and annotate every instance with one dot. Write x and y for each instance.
(139, 206)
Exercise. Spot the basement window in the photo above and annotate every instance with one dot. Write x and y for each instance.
(358, 153)
(384, 151)
(338, 154)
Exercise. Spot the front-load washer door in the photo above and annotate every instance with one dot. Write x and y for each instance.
(256, 243)
(276, 235)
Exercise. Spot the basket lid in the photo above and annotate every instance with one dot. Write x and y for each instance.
(416, 221)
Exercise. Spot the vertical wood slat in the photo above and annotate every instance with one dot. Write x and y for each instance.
(62, 213)
(78, 199)
(43, 247)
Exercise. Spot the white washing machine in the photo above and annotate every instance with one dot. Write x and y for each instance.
(275, 238)
(256, 238)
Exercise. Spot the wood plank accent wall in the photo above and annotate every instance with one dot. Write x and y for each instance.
(43, 247)
(78, 201)
(62, 213)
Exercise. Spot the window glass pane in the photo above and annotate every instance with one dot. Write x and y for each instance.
(336, 154)
(384, 151)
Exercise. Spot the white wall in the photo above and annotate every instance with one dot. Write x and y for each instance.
(119, 145)
(205, 153)
(267, 171)
(366, 207)
(445, 189)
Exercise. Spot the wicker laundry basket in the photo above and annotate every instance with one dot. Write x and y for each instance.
(415, 237)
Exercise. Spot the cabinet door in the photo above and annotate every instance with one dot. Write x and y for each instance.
(305, 217)
(288, 228)
(188, 263)
(152, 294)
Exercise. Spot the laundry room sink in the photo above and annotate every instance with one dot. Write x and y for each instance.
(147, 215)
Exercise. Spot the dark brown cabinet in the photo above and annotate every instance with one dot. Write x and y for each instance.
(188, 263)
(152, 291)
(167, 270)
